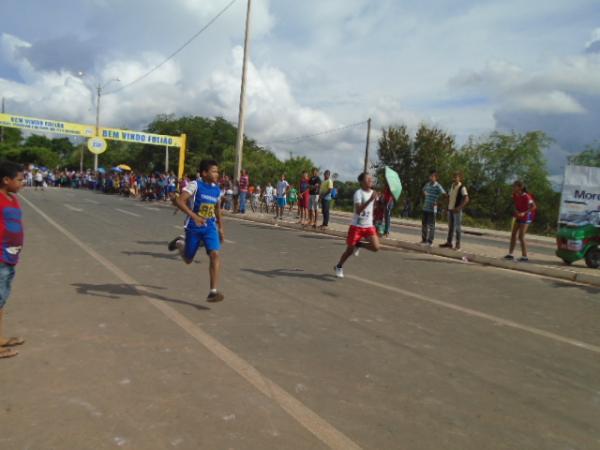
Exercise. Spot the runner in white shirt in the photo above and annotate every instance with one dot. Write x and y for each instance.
(282, 189)
(362, 223)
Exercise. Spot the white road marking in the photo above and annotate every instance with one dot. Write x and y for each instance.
(310, 420)
(151, 209)
(479, 314)
(91, 201)
(127, 212)
(72, 208)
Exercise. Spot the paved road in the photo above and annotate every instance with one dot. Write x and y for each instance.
(408, 352)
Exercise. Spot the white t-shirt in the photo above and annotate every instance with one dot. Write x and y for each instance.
(39, 177)
(282, 187)
(269, 191)
(364, 219)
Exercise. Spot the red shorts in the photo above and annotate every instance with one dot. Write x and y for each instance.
(357, 234)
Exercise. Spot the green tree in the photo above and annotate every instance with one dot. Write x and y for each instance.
(396, 151)
(433, 149)
(493, 163)
(589, 157)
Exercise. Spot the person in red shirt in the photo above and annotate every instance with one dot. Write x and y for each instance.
(524, 215)
(11, 243)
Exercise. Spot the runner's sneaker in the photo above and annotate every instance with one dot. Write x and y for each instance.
(339, 272)
(214, 297)
(357, 249)
(523, 259)
(446, 245)
(173, 244)
(509, 257)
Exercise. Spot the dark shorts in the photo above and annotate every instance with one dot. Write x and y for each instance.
(208, 237)
(7, 274)
(525, 220)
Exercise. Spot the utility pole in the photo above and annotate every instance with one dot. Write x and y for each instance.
(239, 147)
(99, 92)
(81, 156)
(167, 159)
(368, 143)
(2, 128)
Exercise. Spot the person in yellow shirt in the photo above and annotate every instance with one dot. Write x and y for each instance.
(325, 194)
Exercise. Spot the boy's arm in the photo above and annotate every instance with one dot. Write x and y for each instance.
(360, 207)
(182, 203)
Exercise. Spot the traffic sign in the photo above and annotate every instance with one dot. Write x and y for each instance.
(97, 145)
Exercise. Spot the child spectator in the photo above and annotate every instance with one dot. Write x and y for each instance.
(11, 237)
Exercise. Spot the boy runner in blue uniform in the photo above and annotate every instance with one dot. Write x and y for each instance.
(203, 226)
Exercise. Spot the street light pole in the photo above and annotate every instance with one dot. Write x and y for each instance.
(239, 147)
(99, 95)
(368, 145)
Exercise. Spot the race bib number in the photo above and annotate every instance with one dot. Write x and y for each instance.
(207, 211)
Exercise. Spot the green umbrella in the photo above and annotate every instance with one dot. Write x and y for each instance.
(393, 181)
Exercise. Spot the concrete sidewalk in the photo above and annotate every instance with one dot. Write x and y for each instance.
(539, 264)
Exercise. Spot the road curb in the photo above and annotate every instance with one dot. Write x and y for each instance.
(551, 272)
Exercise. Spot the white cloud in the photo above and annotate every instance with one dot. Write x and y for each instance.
(316, 65)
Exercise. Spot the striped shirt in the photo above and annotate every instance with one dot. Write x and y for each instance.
(432, 192)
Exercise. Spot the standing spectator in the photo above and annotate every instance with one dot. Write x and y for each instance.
(458, 199)
(255, 203)
(304, 202)
(293, 198)
(325, 193)
(38, 180)
(389, 202)
(11, 233)
(244, 184)
(235, 195)
(524, 215)
(431, 193)
(269, 196)
(313, 208)
(282, 189)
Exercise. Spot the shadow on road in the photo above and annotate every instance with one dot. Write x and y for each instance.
(317, 236)
(116, 291)
(152, 242)
(171, 256)
(291, 273)
(583, 287)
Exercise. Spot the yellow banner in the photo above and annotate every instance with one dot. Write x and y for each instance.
(139, 137)
(87, 131)
(46, 126)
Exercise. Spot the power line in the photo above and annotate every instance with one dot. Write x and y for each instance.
(321, 133)
(176, 52)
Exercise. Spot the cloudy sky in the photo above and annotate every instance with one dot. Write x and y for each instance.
(469, 66)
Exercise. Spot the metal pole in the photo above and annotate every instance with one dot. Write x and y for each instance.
(81, 156)
(2, 128)
(167, 159)
(99, 91)
(368, 143)
(239, 147)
